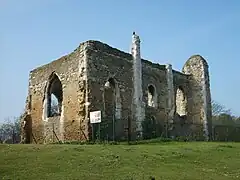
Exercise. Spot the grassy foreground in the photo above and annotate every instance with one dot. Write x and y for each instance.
(172, 160)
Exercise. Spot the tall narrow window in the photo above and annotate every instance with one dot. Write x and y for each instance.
(181, 102)
(54, 96)
(152, 96)
(112, 95)
(112, 108)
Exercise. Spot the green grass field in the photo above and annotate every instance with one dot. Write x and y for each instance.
(171, 160)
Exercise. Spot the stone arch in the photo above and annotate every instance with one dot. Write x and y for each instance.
(112, 106)
(181, 102)
(54, 96)
(152, 96)
(112, 93)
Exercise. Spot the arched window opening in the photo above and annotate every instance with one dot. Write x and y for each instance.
(152, 96)
(110, 84)
(181, 102)
(112, 106)
(153, 120)
(113, 98)
(55, 96)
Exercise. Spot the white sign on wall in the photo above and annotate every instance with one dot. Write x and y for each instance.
(95, 117)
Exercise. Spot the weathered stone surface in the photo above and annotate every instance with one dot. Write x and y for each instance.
(199, 90)
(98, 77)
(67, 69)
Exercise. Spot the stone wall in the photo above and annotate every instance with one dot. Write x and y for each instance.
(182, 93)
(199, 97)
(66, 126)
(155, 75)
(99, 77)
(105, 63)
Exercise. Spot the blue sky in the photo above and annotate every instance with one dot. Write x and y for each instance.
(33, 33)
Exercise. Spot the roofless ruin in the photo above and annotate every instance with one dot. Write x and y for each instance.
(135, 96)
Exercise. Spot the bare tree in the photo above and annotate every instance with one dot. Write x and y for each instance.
(222, 115)
(10, 130)
(218, 109)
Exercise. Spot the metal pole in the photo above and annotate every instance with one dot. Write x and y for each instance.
(113, 122)
(129, 129)
(166, 129)
(99, 131)
(114, 109)
(52, 132)
(92, 132)
(13, 139)
(166, 125)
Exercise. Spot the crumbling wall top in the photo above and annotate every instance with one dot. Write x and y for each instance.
(196, 59)
(98, 46)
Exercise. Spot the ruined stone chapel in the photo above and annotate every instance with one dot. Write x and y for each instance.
(134, 96)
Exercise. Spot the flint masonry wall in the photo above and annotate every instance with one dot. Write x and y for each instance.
(182, 92)
(155, 75)
(200, 97)
(104, 63)
(98, 77)
(66, 126)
